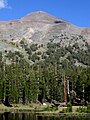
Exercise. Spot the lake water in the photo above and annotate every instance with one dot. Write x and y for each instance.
(32, 116)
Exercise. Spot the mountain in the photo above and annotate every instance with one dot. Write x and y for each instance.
(40, 28)
(37, 22)
(44, 58)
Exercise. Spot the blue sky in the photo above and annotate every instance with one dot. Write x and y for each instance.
(75, 11)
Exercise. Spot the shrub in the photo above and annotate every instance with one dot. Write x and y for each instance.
(88, 108)
(69, 107)
(81, 110)
(51, 108)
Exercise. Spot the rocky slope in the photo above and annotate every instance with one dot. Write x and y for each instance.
(39, 24)
(40, 28)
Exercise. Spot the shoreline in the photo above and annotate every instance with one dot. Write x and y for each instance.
(65, 114)
(39, 110)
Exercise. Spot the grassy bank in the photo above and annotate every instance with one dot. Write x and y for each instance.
(21, 108)
(40, 109)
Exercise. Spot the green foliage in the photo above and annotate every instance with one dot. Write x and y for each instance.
(51, 108)
(9, 55)
(88, 108)
(81, 110)
(64, 110)
(69, 107)
(29, 51)
(35, 57)
(34, 47)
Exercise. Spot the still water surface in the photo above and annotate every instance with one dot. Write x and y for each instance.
(32, 116)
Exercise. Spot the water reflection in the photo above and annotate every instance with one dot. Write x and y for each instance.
(4, 116)
(17, 116)
(61, 118)
(32, 116)
(39, 118)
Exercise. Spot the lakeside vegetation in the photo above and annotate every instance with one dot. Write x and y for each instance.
(48, 109)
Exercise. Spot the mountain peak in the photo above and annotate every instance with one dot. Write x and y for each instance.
(40, 16)
(38, 12)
